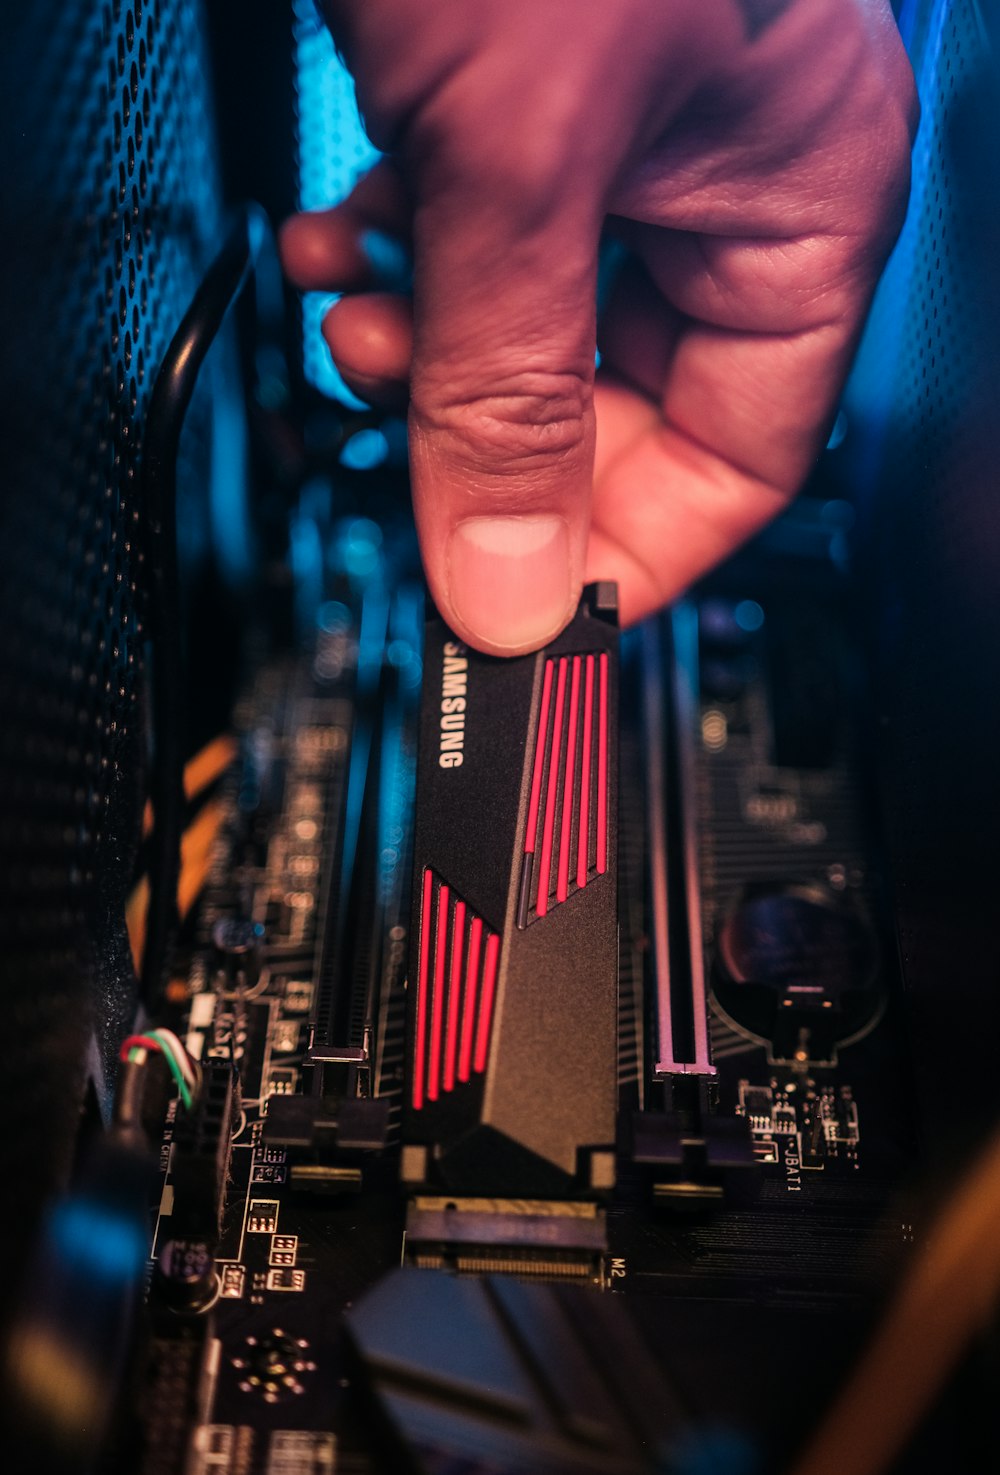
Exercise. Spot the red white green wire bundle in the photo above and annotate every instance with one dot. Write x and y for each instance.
(166, 1043)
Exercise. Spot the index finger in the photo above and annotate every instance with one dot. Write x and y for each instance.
(743, 413)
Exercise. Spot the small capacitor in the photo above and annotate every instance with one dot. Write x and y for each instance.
(237, 945)
(185, 1277)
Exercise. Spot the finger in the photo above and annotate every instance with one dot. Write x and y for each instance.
(322, 251)
(669, 501)
(371, 339)
(625, 419)
(764, 284)
(744, 416)
(745, 403)
(501, 417)
(758, 404)
(326, 250)
(622, 416)
(666, 512)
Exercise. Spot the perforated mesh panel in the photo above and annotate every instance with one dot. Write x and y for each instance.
(929, 347)
(109, 216)
(925, 410)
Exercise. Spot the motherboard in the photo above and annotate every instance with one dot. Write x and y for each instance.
(535, 1097)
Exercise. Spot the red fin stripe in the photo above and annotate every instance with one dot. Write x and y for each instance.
(421, 1023)
(583, 843)
(486, 1001)
(569, 779)
(536, 773)
(545, 867)
(470, 999)
(602, 769)
(456, 986)
(454, 989)
(437, 996)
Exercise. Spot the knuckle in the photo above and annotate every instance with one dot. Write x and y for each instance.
(533, 421)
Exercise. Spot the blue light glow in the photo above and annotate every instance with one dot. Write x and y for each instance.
(389, 260)
(359, 550)
(399, 654)
(406, 632)
(838, 431)
(306, 558)
(101, 1240)
(333, 151)
(317, 362)
(714, 1452)
(231, 534)
(748, 615)
(366, 449)
(837, 514)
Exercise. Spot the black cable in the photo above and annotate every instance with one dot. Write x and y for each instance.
(126, 1119)
(172, 392)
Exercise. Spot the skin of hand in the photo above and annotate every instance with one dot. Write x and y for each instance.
(752, 156)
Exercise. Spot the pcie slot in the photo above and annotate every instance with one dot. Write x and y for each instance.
(397, 779)
(344, 1012)
(670, 691)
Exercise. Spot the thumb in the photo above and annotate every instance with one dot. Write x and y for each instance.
(501, 417)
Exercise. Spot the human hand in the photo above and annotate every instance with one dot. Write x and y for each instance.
(753, 157)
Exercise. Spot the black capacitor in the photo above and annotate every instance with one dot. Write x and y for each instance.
(237, 945)
(185, 1277)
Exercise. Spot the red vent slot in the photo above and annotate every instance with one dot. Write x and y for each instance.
(539, 764)
(562, 883)
(602, 771)
(486, 1002)
(437, 993)
(459, 959)
(552, 787)
(583, 833)
(468, 1012)
(568, 799)
(455, 990)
